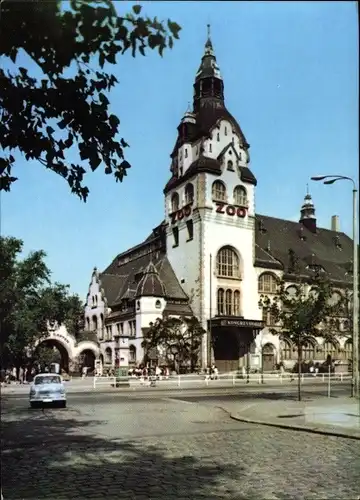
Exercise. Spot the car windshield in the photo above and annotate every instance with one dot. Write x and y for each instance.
(47, 379)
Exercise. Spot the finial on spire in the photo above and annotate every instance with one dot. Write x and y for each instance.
(307, 189)
(208, 30)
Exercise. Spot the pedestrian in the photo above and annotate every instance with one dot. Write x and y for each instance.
(216, 373)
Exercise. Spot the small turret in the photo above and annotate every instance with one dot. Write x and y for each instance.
(307, 213)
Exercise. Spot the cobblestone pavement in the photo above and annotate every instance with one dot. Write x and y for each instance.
(192, 452)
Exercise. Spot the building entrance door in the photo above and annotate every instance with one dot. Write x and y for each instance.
(268, 358)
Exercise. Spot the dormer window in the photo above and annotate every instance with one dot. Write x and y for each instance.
(230, 166)
(175, 202)
(218, 137)
(210, 148)
(225, 131)
(186, 153)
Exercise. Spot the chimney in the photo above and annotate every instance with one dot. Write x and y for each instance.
(335, 223)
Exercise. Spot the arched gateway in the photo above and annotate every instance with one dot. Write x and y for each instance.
(74, 353)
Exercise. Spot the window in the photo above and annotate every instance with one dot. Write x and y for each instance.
(291, 291)
(346, 325)
(88, 323)
(118, 329)
(210, 148)
(186, 153)
(108, 356)
(228, 263)
(158, 304)
(240, 157)
(308, 351)
(174, 202)
(230, 166)
(189, 193)
(225, 131)
(236, 303)
(267, 283)
(190, 228)
(268, 317)
(220, 301)
(228, 302)
(176, 236)
(95, 323)
(218, 137)
(138, 305)
(181, 171)
(240, 196)
(330, 349)
(286, 350)
(233, 139)
(122, 328)
(348, 349)
(219, 191)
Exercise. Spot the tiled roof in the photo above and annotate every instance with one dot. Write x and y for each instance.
(121, 281)
(150, 284)
(283, 244)
(211, 166)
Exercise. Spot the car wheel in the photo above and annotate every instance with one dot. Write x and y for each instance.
(33, 405)
(63, 404)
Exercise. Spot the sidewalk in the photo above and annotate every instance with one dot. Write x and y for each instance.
(333, 416)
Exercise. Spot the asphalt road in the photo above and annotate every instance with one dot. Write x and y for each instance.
(159, 445)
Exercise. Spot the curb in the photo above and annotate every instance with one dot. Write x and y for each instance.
(302, 428)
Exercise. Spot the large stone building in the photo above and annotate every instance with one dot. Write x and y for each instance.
(213, 255)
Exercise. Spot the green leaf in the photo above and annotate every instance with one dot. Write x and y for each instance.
(137, 9)
(174, 28)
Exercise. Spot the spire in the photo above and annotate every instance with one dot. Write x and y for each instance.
(307, 212)
(208, 67)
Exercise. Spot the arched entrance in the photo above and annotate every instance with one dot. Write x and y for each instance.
(268, 357)
(87, 358)
(51, 351)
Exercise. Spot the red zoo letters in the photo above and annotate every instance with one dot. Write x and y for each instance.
(222, 208)
(180, 214)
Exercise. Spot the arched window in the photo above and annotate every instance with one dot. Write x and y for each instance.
(132, 354)
(286, 350)
(220, 302)
(158, 304)
(308, 351)
(219, 191)
(175, 202)
(189, 193)
(240, 196)
(230, 166)
(227, 263)
(95, 323)
(330, 349)
(348, 350)
(236, 303)
(88, 323)
(228, 303)
(267, 283)
(108, 356)
(346, 325)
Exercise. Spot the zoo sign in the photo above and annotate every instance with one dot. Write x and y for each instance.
(223, 208)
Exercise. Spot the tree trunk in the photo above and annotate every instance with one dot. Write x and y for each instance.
(299, 370)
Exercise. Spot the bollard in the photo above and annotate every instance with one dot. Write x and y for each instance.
(94, 382)
(179, 380)
(329, 382)
(323, 377)
(233, 379)
(341, 377)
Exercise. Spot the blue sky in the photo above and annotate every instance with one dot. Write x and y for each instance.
(290, 71)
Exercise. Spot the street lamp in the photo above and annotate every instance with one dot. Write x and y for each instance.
(355, 382)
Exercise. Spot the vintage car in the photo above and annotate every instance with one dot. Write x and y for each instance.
(47, 388)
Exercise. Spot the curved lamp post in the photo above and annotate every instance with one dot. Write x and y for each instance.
(355, 382)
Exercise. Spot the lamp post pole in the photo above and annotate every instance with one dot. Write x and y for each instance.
(355, 381)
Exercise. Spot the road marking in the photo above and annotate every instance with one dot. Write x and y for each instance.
(173, 400)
